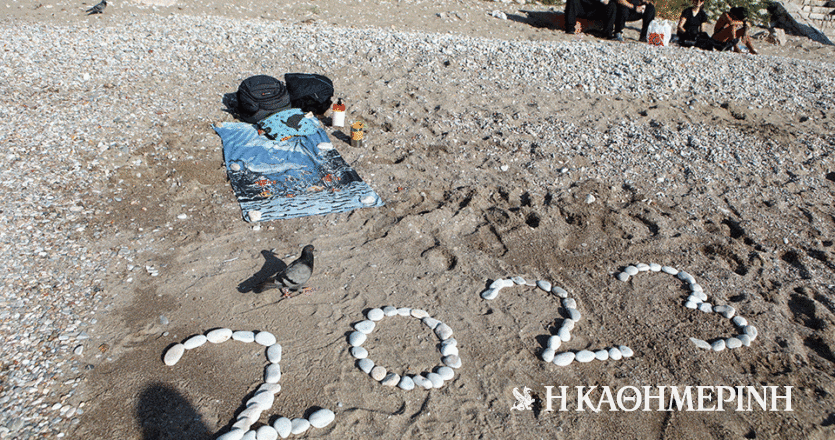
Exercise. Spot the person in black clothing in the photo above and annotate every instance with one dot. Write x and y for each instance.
(632, 10)
(690, 24)
(603, 10)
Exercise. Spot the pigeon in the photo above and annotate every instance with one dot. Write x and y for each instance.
(98, 9)
(294, 276)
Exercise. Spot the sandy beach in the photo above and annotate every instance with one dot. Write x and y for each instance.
(501, 148)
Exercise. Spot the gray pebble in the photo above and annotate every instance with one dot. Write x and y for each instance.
(569, 303)
(573, 314)
(544, 285)
(359, 352)
(406, 383)
(365, 365)
(391, 380)
(559, 291)
(739, 321)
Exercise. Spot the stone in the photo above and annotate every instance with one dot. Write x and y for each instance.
(272, 374)
(725, 310)
(194, 342)
(501, 284)
(406, 383)
(283, 427)
(378, 373)
(365, 365)
(564, 334)
(436, 379)
(700, 343)
(554, 342)
(694, 299)
(590, 199)
(391, 380)
(243, 424)
(174, 354)
(404, 311)
(269, 387)
(601, 355)
(490, 294)
(419, 314)
(357, 338)
(244, 336)
(569, 303)
(443, 331)
(452, 361)
(573, 314)
(251, 413)
(733, 343)
(584, 356)
(669, 270)
(691, 305)
(359, 352)
(266, 432)
(252, 435)
(389, 311)
(706, 307)
(625, 351)
(544, 285)
(569, 324)
(430, 322)
(422, 382)
(622, 276)
(450, 341)
(375, 314)
(274, 353)
(299, 426)
(642, 267)
(751, 331)
(739, 321)
(254, 216)
(518, 280)
(449, 350)
(548, 354)
(615, 354)
(686, 277)
(564, 359)
(631, 270)
(745, 339)
(264, 400)
(446, 373)
(264, 338)
(233, 434)
(718, 345)
(654, 267)
(219, 335)
(559, 291)
(365, 327)
(696, 288)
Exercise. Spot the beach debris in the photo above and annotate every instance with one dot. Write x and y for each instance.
(264, 396)
(448, 347)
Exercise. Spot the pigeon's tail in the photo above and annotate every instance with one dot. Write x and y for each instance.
(267, 285)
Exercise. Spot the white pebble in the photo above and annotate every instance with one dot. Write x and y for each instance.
(694, 299)
(655, 267)
(449, 350)
(436, 379)
(706, 307)
(194, 342)
(263, 400)
(554, 342)
(501, 284)
(625, 351)
(266, 432)
(375, 314)
(518, 280)
(233, 434)
(642, 267)
(419, 314)
(559, 291)
(252, 435)
(631, 270)
(569, 303)
(251, 414)
(174, 354)
(584, 356)
(450, 341)
(299, 426)
(406, 383)
(443, 331)
(563, 359)
(357, 338)
(391, 380)
(243, 336)
(254, 216)
(615, 354)
(378, 373)
(745, 339)
(365, 365)
(283, 426)
(691, 305)
(602, 355)
(751, 331)
(404, 311)
(269, 387)
(573, 314)
(446, 373)
(700, 343)
(569, 324)
(274, 353)
(219, 335)
(365, 327)
(669, 270)
(696, 288)
(359, 352)
(622, 276)
(272, 374)
(490, 294)
(422, 382)
(725, 310)
(686, 277)
(548, 354)
(718, 345)
(452, 361)
(389, 311)
(739, 321)
(733, 343)
(430, 322)
(544, 285)
(264, 338)
(564, 334)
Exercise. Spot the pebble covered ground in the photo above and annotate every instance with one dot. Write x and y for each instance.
(77, 101)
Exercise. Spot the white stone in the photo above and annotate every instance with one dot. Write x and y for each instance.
(739, 321)
(450, 341)
(264, 338)
(669, 270)
(718, 345)
(584, 356)
(725, 310)
(174, 354)
(266, 432)
(695, 299)
(615, 354)
(449, 350)
(194, 342)
(254, 216)
(365, 327)
(235, 167)
(563, 359)
(243, 336)
(544, 285)
(446, 373)
(219, 335)
(642, 267)
(269, 387)
(602, 355)
(357, 338)
(391, 380)
(452, 361)
(283, 426)
(365, 365)
(548, 354)
(625, 351)
(501, 284)
(378, 373)
(242, 424)
(419, 314)
(264, 400)
(490, 294)
(622, 276)
(443, 331)
(299, 426)
(436, 379)
(691, 305)
(696, 288)
(590, 199)
(518, 280)
(745, 339)
(554, 342)
(375, 314)
(573, 314)
(751, 331)
(359, 352)
(700, 343)
(404, 311)
(706, 307)
(252, 435)
(631, 270)
(274, 353)
(430, 322)
(406, 383)
(233, 434)
(686, 277)
(389, 311)
(272, 374)
(564, 334)
(733, 343)
(655, 267)
(559, 291)
(569, 303)
(569, 324)
(422, 381)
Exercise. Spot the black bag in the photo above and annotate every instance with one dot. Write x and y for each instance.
(260, 96)
(309, 92)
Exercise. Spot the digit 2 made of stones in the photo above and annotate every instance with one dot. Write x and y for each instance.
(264, 396)
(434, 379)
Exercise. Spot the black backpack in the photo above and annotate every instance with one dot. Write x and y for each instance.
(260, 96)
(309, 92)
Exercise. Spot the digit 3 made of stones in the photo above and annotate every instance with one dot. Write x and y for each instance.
(434, 379)
(264, 396)
(696, 300)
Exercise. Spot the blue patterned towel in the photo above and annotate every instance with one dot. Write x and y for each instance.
(295, 177)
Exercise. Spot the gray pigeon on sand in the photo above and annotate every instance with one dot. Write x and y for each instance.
(294, 276)
(98, 9)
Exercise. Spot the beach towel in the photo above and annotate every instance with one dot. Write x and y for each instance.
(292, 177)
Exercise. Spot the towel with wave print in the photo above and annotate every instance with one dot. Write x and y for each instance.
(295, 177)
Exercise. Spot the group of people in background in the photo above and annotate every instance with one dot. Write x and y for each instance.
(731, 30)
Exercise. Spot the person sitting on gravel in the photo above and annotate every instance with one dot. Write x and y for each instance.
(632, 10)
(602, 10)
(690, 24)
(732, 27)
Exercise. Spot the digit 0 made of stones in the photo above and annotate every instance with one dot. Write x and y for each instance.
(264, 396)
(696, 300)
(427, 380)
